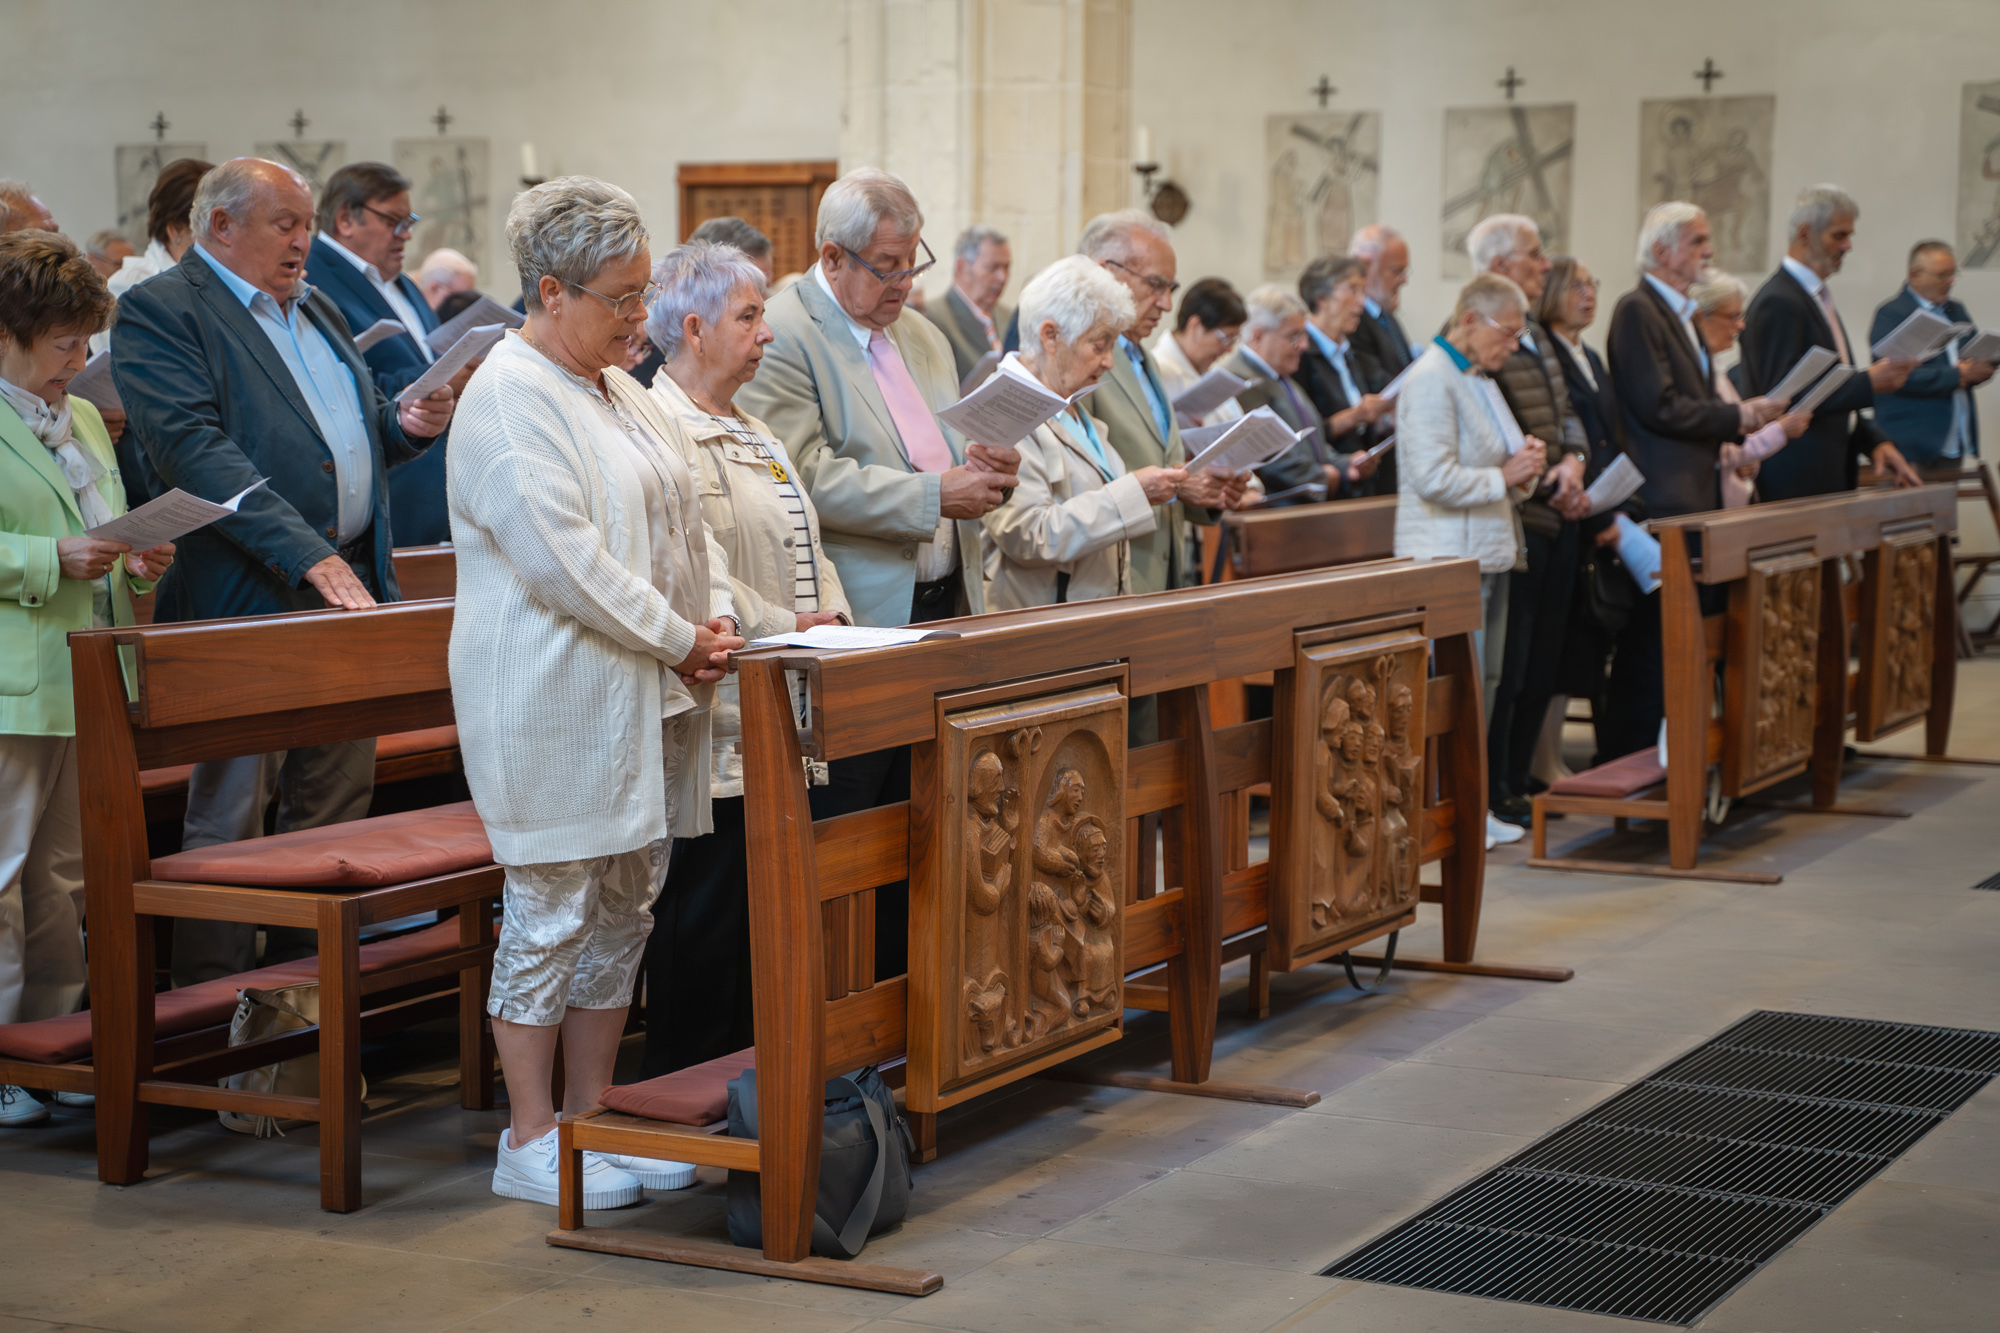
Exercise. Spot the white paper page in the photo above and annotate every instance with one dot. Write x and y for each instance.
(1820, 392)
(977, 376)
(1251, 441)
(1986, 347)
(850, 636)
(94, 384)
(1198, 438)
(1810, 367)
(1395, 386)
(1003, 411)
(472, 347)
(1209, 392)
(1381, 448)
(485, 310)
(1311, 490)
(376, 332)
(172, 516)
(1916, 338)
(1614, 486)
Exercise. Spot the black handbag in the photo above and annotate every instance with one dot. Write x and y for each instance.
(864, 1165)
(1607, 594)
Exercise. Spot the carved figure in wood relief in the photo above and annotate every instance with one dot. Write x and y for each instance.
(1788, 672)
(1402, 801)
(1056, 824)
(1907, 652)
(1094, 900)
(990, 836)
(1337, 794)
(1049, 1006)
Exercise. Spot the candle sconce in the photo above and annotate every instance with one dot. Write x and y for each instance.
(1168, 201)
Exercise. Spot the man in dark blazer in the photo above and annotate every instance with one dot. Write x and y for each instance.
(1273, 343)
(1331, 373)
(971, 316)
(1380, 344)
(233, 371)
(1794, 311)
(1932, 418)
(364, 223)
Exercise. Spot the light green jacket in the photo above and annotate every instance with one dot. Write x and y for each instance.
(38, 606)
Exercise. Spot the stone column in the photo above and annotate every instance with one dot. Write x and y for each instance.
(1015, 113)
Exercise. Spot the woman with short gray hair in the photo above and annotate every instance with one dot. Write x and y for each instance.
(1066, 534)
(707, 319)
(1718, 300)
(594, 619)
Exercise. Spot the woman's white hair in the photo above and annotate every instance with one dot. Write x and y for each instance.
(1076, 295)
(699, 279)
(1664, 225)
(1714, 289)
(1491, 295)
(569, 229)
(1271, 305)
(862, 200)
(1494, 239)
(1817, 206)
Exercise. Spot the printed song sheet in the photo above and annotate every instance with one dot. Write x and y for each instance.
(485, 310)
(1810, 367)
(172, 516)
(1919, 338)
(376, 332)
(1005, 410)
(1614, 486)
(472, 347)
(1249, 441)
(851, 636)
(1209, 392)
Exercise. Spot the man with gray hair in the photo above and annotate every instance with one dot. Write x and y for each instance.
(1794, 311)
(1932, 417)
(445, 271)
(20, 210)
(971, 316)
(1379, 340)
(1268, 354)
(234, 371)
(754, 244)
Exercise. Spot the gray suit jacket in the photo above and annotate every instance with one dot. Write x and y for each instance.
(817, 394)
(1307, 459)
(1158, 558)
(959, 323)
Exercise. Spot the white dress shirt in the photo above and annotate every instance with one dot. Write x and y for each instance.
(1684, 307)
(391, 291)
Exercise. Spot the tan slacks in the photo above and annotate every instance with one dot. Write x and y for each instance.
(42, 972)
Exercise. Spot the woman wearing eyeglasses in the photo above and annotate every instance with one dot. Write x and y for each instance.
(594, 619)
(1206, 326)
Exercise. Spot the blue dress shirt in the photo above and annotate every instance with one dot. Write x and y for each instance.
(328, 387)
(1156, 395)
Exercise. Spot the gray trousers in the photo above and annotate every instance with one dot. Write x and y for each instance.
(42, 970)
(1491, 641)
(316, 785)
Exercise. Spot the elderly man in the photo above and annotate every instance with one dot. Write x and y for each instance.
(234, 371)
(20, 210)
(108, 250)
(737, 232)
(853, 391)
(1381, 346)
(1268, 355)
(445, 272)
(1794, 311)
(970, 316)
(1332, 288)
(1932, 417)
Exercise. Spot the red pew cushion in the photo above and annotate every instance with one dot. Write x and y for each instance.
(363, 853)
(1614, 781)
(64, 1040)
(697, 1095)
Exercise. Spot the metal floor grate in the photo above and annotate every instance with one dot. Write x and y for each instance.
(1990, 882)
(1657, 1203)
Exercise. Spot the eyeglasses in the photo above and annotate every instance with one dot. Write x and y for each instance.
(1511, 335)
(1154, 282)
(901, 274)
(402, 226)
(622, 306)
(1591, 283)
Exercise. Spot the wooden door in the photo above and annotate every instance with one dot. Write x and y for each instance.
(780, 199)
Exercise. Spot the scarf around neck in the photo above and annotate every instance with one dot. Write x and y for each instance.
(52, 427)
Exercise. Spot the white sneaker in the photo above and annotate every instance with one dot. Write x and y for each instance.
(1501, 832)
(19, 1107)
(654, 1173)
(529, 1172)
(76, 1099)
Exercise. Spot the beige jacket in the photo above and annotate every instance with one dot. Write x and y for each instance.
(1064, 518)
(1451, 498)
(751, 524)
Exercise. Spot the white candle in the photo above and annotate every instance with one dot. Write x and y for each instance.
(528, 171)
(1144, 152)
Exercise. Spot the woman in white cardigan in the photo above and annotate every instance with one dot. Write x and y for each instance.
(594, 618)
(707, 319)
(1065, 534)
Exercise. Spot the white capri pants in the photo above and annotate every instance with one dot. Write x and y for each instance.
(572, 934)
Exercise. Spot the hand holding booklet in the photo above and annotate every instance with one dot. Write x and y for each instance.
(1247, 442)
(1986, 347)
(169, 518)
(1006, 409)
(376, 332)
(1822, 391)
(472, 347)
(1209, 392)
(1919, 338)
(485, 310)
(1614, 486)
(1809, 368)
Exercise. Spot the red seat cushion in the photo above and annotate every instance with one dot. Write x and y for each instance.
(697, 1095)
(416, 742)
(1616, 780)
(363, 853)
(64, 1040)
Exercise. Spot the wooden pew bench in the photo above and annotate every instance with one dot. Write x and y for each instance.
(212, 690)
(406, 755)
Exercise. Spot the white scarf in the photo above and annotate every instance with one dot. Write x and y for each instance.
(51, 427)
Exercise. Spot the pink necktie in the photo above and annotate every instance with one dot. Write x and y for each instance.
(922, 440)
(1833, 322)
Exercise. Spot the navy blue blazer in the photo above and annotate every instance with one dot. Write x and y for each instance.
(215, 408)
(1782, 322)
(416, 488)
(1918, 415)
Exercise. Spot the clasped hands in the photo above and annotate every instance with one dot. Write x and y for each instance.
(90, 558)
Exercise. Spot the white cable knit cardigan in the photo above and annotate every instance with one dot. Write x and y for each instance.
(559, 636)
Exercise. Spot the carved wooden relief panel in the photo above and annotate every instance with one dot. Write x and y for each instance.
(1347, 789)
(1771, 672)
(1025, 965)
(1898, 620)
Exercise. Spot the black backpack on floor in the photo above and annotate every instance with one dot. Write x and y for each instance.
(864, 1165)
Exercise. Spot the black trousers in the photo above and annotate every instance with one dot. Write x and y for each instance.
(1635, 698)
(698, 956)
(1538, 612)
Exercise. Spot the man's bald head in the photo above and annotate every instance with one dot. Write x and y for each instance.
(256, 218)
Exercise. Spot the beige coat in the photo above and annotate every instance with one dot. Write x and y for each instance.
(1064, 518)
(753, 527)
(1451, 499)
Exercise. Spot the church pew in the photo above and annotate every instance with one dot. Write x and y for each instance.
(1782, 648)
(214, 689)
(1026, 922)
(422, 572)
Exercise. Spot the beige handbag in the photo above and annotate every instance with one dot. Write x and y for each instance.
(268, 1013)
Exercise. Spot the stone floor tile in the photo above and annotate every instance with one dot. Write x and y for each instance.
(1566, 1050)
(1366, 1305)
(587, 1302)
(1417, 1163)
(1489, 1100)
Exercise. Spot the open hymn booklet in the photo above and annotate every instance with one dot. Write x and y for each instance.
(1007, 408)
(1250, 441)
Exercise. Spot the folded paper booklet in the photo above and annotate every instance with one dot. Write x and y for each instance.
(981, 370)
(1614, 486)
(1810, 367)
(1986, 347)
(1836, 377)
(1308, 490)
(485, 310)
(1395, 386)
(169, 518)
(1919, 338)
(376, 332)
(852, 636)
(1006, 409)
(1247, 442)
(94, 384)
(472, 347)
(1381, 448)
(1209, 392)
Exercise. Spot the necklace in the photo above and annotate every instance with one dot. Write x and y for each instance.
(552, 359)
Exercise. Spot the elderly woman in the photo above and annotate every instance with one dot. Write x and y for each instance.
(58, 477)
(1065, 536)
(1718, 317)
(707, 320)
(1206, 326)
(594, 618)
